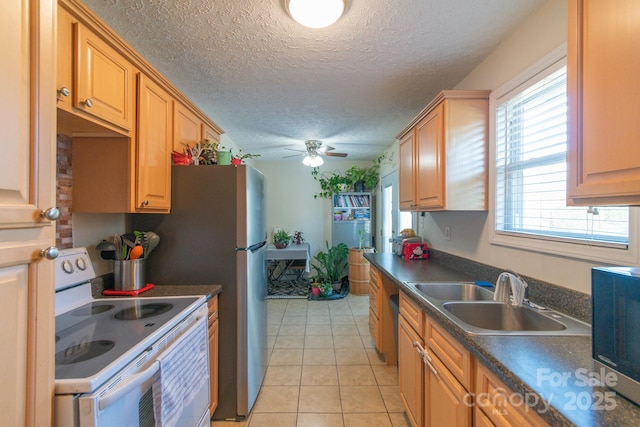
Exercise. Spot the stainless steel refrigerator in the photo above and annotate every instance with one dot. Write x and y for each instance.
(216, 234)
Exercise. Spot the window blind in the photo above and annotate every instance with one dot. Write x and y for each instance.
(531, 170)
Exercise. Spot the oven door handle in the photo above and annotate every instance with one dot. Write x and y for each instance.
(131, 382)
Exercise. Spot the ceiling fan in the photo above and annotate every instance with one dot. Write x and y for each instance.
(315, 149)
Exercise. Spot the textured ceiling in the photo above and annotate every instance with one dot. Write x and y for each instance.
(271, 83)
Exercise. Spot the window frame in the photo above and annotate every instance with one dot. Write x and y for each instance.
(615, 254)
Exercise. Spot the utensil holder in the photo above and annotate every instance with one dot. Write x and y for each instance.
(129, 275)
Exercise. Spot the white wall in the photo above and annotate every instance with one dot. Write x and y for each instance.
(542, 32)
(290, 203)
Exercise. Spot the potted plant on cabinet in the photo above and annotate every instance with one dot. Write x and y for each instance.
(332, 264)
(281, 239)
(238, 159)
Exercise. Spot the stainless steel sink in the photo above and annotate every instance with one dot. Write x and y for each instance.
(454, 291)
(472, 308)
(493, 318)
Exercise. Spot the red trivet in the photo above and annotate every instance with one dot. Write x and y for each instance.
(137, 292)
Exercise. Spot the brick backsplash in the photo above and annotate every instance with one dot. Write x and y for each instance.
(64, 186)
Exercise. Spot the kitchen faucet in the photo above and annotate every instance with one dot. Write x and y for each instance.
(510, 280)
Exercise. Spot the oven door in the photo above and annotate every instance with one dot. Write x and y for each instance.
(127, 399)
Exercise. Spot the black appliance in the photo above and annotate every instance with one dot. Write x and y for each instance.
(616, 324)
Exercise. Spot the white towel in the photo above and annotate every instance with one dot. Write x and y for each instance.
(184, 367)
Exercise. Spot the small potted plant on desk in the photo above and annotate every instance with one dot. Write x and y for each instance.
(281, 239)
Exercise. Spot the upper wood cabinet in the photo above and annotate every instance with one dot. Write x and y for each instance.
(153, 169)
(95, 82)
(187, 128)
(407, 189)
(210, 133)
(449, 161)
(602, 68)
(124, 117)
(129, 174)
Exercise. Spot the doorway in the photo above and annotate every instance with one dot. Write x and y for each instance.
(392, 220)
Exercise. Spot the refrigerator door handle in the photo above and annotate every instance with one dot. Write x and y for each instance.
(254, 247)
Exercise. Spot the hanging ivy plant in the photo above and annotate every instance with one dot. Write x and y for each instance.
(335, 182)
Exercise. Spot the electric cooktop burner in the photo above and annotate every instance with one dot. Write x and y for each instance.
(142, 311)
(91, 337)
(91, 309)
(83, 351)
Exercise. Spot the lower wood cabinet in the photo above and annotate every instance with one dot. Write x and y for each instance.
(411, 372)
(374, 307)
(213, 354)
(432, 394)
(447, 402)
(497, 405)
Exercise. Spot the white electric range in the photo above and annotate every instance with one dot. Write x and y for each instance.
(135, 361)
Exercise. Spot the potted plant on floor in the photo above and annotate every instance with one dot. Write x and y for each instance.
(281, 239)
(331, 265)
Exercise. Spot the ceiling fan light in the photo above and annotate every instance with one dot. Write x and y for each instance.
(312, 160)
(316, 161)
(316, 13)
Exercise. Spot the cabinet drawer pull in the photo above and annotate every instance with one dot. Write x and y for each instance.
(87, 102)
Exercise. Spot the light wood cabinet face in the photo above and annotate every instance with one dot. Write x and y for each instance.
(449, 158)
(407, 172)
(104, 85)
(603, 65)
(155, 118)
(209, 133)
(501, 405)
(447, 401)
(410, 372)
(27, 186)
(429, 160)
(187, 128)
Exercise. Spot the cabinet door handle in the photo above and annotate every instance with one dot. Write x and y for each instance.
(50, 253)
(87, 102)
(433, 369)
(145, 202)
(63, 91)
(51, 213)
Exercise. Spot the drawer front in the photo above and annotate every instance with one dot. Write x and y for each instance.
(412, 313)
(374, 297)
(500, 404)
(457, 359)
(374, 329)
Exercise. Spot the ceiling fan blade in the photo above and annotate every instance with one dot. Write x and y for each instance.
(335, 154)
(293, 155)
(325, 148)
(295, 149)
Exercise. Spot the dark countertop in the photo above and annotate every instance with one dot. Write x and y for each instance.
(179, 290)
(106, 282)
(530, 365)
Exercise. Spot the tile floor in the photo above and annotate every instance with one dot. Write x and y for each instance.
(324, 370)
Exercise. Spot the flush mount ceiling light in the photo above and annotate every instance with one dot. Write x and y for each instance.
(316, 13)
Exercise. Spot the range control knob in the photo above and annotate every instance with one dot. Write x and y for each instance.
(67, 267)
(81, 264)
